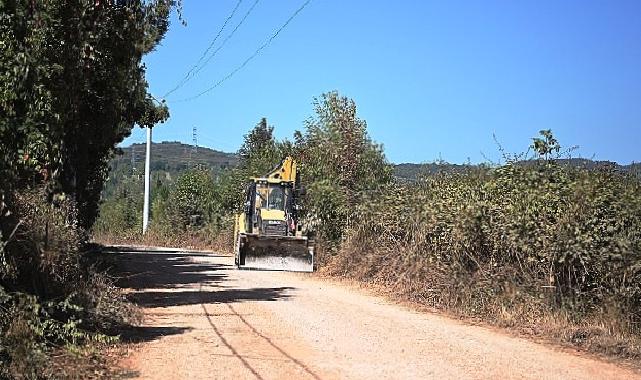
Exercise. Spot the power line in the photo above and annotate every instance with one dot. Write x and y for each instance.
(154, 98)
(251, 57)
(185, 79)
(227, 38)
(218, 34)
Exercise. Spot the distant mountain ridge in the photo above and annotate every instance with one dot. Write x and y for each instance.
(170, 158)
(174, 156)
(410, 171)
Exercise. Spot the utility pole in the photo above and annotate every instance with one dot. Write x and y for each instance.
(145, 211)
(133, 159)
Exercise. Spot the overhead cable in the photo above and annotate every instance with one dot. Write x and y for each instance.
(185, 79)
(250, 58)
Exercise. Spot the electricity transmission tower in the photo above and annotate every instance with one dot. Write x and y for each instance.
(194, 136)
(194, 146)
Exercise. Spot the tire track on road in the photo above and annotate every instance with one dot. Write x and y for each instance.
(229, 346)
(271, 343)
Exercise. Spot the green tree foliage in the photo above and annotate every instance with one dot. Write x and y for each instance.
(545, 145)
(121, 214)
(190, 203)
(258, 143)
(339, 163)
(336, 146)
(194, 205)
(258, 155)
(260, 151)
(72, 86)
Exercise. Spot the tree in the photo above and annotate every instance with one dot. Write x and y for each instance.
(260, 151)
(546, 145)
(259, 154)
(73, 86)
(339, 162)
(259, 139)
(336, 146)
(191, 200)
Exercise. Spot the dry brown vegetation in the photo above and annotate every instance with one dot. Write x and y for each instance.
(547, 250)
(57, 309)
(218, 241)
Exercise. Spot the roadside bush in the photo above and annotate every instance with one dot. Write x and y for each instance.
(191, 200)
(516, 245)
(47, 241)
(120, 216)
(72, 86)
(49, 297)
(193, 212)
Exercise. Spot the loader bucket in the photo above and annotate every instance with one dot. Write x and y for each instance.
(285, 253)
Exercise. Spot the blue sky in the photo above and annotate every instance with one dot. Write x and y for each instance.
(433, 79)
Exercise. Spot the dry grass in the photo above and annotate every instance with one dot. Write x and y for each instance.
(221, 242)
(549, 251)
(603, 332)
(96, 362)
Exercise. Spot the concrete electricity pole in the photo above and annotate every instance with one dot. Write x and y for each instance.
(145, 211)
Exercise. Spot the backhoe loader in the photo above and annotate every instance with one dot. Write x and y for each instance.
(268, 233)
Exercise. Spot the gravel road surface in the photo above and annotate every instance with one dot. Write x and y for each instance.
(206, 320)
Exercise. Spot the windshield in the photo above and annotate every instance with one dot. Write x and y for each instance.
(271, 196)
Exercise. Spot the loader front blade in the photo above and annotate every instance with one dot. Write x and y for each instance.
(285, 253)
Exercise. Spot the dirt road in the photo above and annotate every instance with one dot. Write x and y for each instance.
(206, 320)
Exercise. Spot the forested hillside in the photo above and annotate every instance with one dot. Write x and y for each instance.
(169, 159)
(172, 157)
(410, 171)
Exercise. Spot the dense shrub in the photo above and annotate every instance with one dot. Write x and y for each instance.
(191, 200)
(120, 215)
(48, 296)
(516, 242)
(194, 211)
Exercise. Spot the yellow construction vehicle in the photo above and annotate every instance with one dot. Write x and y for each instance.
(268, 233)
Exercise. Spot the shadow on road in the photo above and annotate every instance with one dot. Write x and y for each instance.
(142, 249)
(181, 298)
(153, 270)
(140, 334)
(164, 279)
(173, 279)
